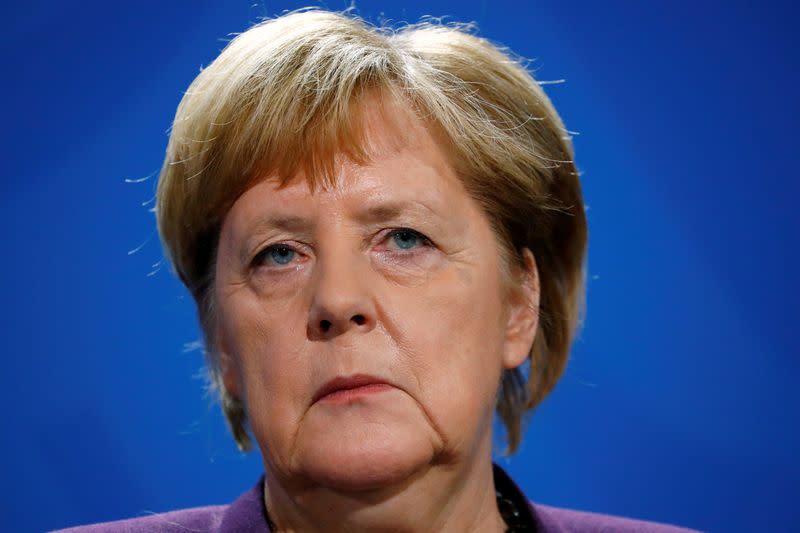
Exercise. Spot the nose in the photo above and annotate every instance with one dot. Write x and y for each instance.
(342, 300)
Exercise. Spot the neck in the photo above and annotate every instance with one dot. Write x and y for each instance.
(443, 497)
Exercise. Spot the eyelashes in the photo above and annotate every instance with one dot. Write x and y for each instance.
(279, 254)
(401, 243)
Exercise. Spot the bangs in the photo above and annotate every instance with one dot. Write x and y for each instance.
(312, 140)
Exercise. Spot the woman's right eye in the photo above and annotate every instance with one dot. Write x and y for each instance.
(276, 255)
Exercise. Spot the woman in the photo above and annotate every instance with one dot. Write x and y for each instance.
(385, 237)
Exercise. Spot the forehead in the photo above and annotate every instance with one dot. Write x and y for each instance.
(405, 163)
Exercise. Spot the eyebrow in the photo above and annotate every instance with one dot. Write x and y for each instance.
(387, 211)
(380, 212)
(282, 222)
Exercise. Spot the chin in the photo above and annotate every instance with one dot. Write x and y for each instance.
(365, 457)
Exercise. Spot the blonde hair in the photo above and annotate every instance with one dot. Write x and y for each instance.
(283, 97)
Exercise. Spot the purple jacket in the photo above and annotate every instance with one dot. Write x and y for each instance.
(248, 515)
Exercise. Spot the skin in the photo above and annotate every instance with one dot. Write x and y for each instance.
(314, 285)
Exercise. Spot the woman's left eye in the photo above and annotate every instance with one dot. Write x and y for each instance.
(407, 239)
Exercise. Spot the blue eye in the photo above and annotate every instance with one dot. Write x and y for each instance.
(406, 239)
(278, 254)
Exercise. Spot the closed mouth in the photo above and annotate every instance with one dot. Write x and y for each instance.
(345, 383)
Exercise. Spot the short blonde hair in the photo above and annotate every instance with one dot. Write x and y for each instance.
(283, 97)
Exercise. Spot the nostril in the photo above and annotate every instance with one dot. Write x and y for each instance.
(325, 325)
(359, 319)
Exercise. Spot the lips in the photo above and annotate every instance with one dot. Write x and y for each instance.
(364, 382)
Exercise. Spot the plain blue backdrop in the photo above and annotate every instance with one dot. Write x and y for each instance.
(679, 403)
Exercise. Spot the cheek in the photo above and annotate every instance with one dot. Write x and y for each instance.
(266, 341)
(453, 338)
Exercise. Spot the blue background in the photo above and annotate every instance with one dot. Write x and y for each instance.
(679, 403)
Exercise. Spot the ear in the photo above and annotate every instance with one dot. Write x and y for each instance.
(523, 315)
(228, 366)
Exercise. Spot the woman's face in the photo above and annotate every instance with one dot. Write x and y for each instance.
(366, 325)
